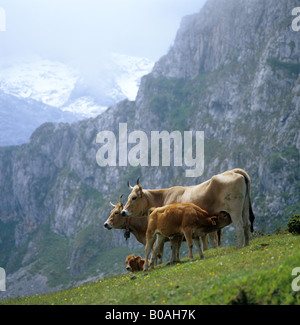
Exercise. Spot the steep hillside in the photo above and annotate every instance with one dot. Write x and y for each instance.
(258, 275)
(233, 72)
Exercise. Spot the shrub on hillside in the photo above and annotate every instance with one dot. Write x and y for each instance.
(293, 224)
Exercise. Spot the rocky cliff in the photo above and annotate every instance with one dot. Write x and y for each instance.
(233, 72)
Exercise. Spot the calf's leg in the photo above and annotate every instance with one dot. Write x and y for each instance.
(159, 241)
(150, 238)
(175, 249)
(189, 241)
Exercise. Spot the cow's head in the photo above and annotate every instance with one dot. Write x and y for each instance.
(115, 219)
(136, 204)
(134, 263)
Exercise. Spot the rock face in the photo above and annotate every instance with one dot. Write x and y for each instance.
(228, 31)
(233, 72)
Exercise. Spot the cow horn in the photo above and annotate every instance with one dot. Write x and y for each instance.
(121, 199)
(112, 205)
(129, 185)
(138, 181)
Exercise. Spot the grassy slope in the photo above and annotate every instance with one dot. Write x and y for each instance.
(258, 274)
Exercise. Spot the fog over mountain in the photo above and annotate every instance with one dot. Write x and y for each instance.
(62, 61)
(89, 30)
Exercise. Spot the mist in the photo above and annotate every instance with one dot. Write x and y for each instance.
(86, 31)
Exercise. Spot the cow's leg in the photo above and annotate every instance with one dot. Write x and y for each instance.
(239, 228)
(180, 239)
(198, 245)
(247, 235)
(213, 239)
(204, 240)
(237, 203)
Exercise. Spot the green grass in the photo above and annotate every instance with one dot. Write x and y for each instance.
(258, 274)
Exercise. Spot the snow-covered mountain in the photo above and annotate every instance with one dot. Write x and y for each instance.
(130, 70)
(42, 80)
(36, 90)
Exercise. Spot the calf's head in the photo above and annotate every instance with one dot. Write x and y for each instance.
(134, 263)
(221, 219)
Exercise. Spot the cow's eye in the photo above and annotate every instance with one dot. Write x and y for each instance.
(116, 212)
(134, 198)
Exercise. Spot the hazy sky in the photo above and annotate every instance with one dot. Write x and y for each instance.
(86, 29)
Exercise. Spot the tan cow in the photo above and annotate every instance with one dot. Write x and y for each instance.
(185, 219)
(229, 191)
(136, 226)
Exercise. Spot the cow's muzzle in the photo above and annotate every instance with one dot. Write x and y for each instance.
(107, 226)
(125, 213)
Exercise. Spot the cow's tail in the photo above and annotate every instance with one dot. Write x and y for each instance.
(251, 217)
(248, 183)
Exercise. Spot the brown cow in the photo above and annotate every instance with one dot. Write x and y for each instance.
(136, 226)
(135, 263)
(229, 191)
(186, 219)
